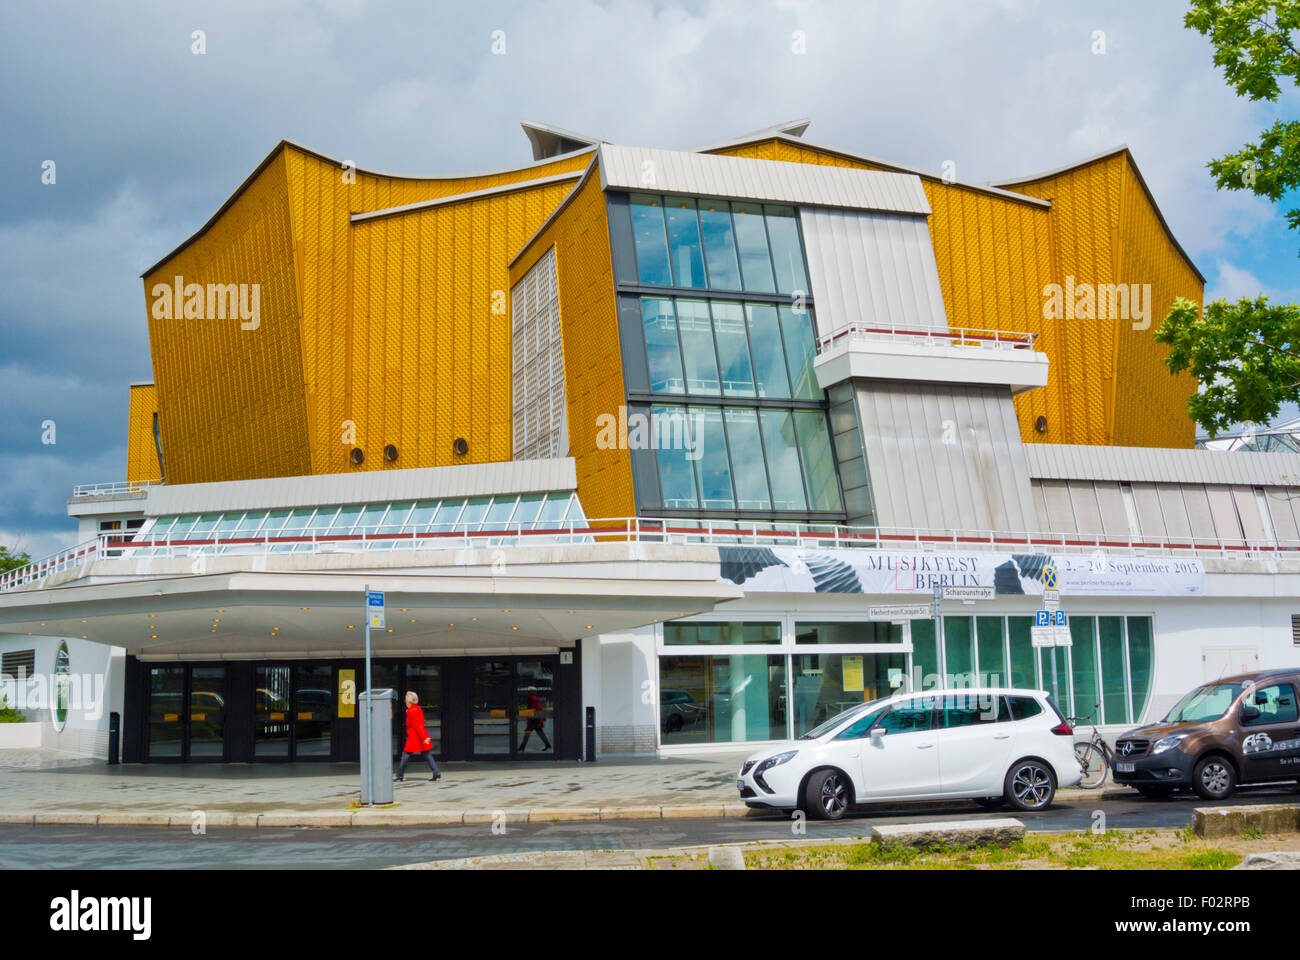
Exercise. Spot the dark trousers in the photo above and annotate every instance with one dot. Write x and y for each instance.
(406, 757)
(528, 732)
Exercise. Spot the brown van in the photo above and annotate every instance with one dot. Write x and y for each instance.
(1240, 729)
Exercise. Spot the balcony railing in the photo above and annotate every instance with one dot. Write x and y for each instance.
(116, 488)
(927, 336)
(646, 530)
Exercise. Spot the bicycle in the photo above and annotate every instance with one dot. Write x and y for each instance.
(1093, 754)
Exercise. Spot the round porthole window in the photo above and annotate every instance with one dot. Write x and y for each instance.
(460, 446)
(390, 453)
(357, 455)
(62, 684)
(1041, 424)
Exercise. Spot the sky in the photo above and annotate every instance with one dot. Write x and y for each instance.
(149, 138)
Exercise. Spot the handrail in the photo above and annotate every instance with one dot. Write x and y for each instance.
(936, 336)
(112, 487)
(643, 530)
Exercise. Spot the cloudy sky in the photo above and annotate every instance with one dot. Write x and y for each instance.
(149, 138)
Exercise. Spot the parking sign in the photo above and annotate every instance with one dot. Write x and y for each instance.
(375, 609)
(1043, 618)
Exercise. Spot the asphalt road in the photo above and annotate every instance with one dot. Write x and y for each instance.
(55, 847)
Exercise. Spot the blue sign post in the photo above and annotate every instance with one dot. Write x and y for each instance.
(374, 617)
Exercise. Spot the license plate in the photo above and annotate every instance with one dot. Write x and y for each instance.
(1124, 768)
(740, 784)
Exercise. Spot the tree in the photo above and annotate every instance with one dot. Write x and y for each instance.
(1245, 354)
(11, 561)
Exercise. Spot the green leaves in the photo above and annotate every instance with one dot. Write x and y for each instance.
(1246, 355)
(12, 561)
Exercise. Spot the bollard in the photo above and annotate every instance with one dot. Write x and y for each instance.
(591, 734)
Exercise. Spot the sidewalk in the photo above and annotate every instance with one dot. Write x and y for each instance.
(42, 787)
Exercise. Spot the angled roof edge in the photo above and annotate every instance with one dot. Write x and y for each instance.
(141, 383)
(559, 209)
(543, 135)
(888, 164)
(275, 152)
(1123, 148)
(366, 216)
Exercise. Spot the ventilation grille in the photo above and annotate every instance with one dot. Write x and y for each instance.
(20, 664)
(538, 367)
(1295, 629)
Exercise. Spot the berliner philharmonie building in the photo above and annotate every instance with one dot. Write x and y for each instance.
(684, 438)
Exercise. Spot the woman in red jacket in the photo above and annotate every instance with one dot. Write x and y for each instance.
(417, 738)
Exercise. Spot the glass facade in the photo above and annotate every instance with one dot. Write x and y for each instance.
(719, 699)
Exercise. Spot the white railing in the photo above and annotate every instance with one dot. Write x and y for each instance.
(927, 336)
(112, 489)
(645, 530)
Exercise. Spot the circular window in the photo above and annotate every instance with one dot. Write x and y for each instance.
(62, 682)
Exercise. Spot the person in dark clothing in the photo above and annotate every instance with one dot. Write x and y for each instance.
(418, 740)
(536, 724)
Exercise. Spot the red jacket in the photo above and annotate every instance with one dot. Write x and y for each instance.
(417, 738)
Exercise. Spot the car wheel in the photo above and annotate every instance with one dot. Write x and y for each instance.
(1155, 793)
(1214, 778)
(826, 797)
(1029, 786)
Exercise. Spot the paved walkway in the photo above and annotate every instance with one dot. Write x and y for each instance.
(44, 787)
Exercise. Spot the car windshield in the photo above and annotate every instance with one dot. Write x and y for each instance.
(824, 728)
(1204, 704)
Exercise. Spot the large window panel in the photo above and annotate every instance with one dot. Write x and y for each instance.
(787, 251)
(751, 241)
(748, 470)
(722, 699)
(1114, 672)
(1062, 675)
(989, 647)
(959, 652)
(684, 242)
(783, 469)
(730, 633)
(769, 357)
(818, 461)
(925, 656)
(711, 461)
(696, 331)
(676, 472)
(733, 349)
(662, 353)
(1083, 659)
(1139, 663)
(651, 240)
(719, 245)
(800, 352)
(853, 631)
(1021, 646)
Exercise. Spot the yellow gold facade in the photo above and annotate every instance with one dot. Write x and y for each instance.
(141, 451)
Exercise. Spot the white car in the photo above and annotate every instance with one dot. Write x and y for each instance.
(986, 744)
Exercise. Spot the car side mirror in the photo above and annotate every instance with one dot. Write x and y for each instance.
(1249, 713)
(877, 734)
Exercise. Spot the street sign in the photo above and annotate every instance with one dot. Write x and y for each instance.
(1059, 619)
(375, 609)
(1051, 596)
(1049, 577)
(1043, 618)
(969, 593)
(910, 611)
(1062, 637)
(1042, 636)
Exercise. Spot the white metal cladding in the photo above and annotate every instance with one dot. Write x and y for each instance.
(372, 486)
(1159, 465)
(1142, 509)
(871, 268)
(944, 455)
(673, 171)
(537, 371)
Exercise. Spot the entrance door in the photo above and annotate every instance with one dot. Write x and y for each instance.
(535, 704)
(293, 712)
(187, 713)
(491, 709)
(511, 708)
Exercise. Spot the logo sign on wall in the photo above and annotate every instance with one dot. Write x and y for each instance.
(795, 570)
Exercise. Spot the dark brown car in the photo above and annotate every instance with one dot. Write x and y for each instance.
(1240, 729)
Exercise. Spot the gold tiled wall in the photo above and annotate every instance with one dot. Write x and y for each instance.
(593, 364)
(141, 453)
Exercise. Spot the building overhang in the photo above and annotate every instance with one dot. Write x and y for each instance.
(897, 358)
(439, 602)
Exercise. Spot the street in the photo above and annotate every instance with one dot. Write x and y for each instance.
(56, 847)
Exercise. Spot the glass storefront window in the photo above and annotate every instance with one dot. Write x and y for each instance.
(696, 331)
(825, 684)
(727, 699)
(992, 664)
(852, 631)
(719, 245)
(1020, 640)
(751, 241)
(684, 242)
(925, 656)
(787, 250)
(721, 634)
(1139, 663)
(959, 652)
(1065, 701)
(651, 240)
(770, 375)
(748, 470)
(1114, 671)
(818, 461)
(733, 349)
(783, 467)
(1083, 664)
(662, 354)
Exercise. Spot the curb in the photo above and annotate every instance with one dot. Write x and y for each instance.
(397, 817)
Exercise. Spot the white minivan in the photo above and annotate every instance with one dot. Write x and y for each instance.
(981, 743)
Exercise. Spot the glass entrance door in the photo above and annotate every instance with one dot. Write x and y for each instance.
(166, 713)
(491, 709)
(187, 713)
(535, 706)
